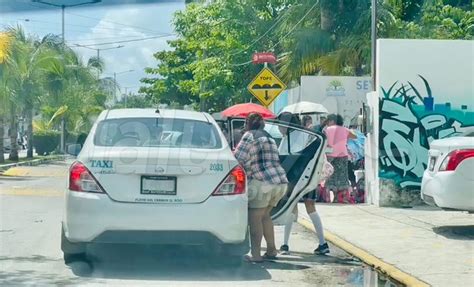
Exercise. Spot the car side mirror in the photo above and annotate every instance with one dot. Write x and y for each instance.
(73, 149)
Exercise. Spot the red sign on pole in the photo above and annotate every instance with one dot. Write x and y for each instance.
(267, 57)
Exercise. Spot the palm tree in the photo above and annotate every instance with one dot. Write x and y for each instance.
(96, 63)
(5, 44)
(336, 43)
(28, 62)
(72, 83)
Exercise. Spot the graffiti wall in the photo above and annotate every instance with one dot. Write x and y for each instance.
(426, 92)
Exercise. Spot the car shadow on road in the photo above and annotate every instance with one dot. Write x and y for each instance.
(178, 263)
(457, 232)
(166, 263)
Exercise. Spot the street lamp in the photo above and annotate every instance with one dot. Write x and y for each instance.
(63, 8)
(98, 51)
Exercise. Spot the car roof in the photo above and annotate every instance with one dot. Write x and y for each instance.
(154, 113)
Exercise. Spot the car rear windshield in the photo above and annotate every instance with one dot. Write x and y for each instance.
(157, 132)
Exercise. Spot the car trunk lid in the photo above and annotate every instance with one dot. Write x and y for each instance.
(159, 175)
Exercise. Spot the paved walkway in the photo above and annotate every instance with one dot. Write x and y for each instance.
(434, 246)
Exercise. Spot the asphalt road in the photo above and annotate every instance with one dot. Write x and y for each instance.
(30, 216)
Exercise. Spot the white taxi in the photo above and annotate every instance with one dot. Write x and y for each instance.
(147, 176)
(448, 182)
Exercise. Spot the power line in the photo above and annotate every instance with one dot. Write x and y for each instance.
(99, 19)
(263, 35)
(85, 41)
(51, 30)
(45, 23)
(113, 22)
(286, 35)
(72, 25)
(241, 64)
(128, 41)
(92, 40)
(296, 25)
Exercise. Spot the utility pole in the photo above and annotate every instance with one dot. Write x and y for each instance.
(115, 81)
(98, 51)
(63, 11)
(115, 86)
(373, 33)
(126, 97)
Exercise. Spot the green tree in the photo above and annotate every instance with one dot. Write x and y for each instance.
(441, 21)
(28, 61)
(208, 63)
(5, 49)
(41, 75)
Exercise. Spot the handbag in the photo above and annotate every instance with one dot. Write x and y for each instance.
(328, 169)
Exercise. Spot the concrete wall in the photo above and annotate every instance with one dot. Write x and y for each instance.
(372, 151)
(343, 95)
(426, 92)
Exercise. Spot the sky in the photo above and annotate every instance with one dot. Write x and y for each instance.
(89, 25)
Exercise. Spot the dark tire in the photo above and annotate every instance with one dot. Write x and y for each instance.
(72, 251)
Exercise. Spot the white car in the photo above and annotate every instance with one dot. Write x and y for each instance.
(448, 182)
(132, 184)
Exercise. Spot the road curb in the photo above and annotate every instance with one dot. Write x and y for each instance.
(367, 258)
(33, 162)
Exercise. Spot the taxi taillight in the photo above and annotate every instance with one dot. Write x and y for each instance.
(454, 158)
(81, 179)
(233, 184)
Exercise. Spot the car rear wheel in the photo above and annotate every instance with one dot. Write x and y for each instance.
(237, 250)
(72, 251)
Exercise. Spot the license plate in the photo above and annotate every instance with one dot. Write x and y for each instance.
(162, 185)
(432, 163)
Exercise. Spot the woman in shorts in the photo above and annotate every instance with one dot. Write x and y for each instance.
(257, 152)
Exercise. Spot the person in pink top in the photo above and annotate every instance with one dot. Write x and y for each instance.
(337, 136)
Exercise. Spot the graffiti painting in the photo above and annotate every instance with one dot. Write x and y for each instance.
(409, 122)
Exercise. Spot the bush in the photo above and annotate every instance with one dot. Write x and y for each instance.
(75, 138)
(45, 142)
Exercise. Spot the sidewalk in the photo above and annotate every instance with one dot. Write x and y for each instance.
(434, 246)
(37, 160)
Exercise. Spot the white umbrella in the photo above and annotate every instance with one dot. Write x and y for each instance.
(305, 108)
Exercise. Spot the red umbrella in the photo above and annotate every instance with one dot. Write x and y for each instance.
(243, 110)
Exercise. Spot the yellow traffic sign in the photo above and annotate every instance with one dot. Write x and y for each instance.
(266, 86)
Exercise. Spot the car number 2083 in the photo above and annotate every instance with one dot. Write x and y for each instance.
(216, 167)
